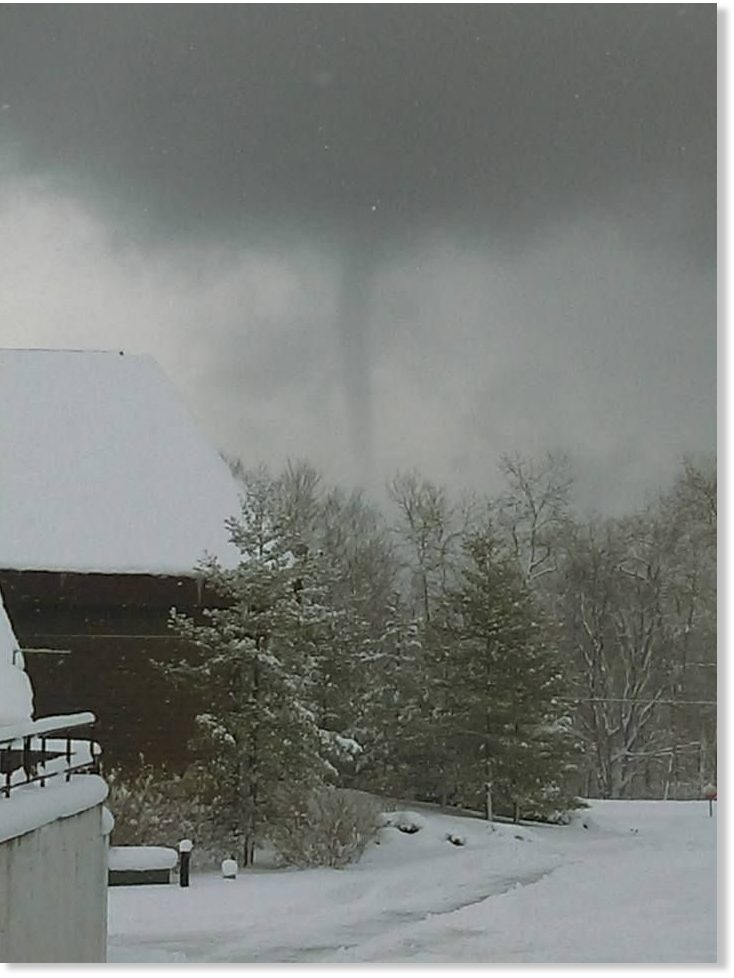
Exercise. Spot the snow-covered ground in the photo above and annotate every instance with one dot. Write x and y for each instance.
(638, 884)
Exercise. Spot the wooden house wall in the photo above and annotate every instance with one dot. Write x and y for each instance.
(114, 628)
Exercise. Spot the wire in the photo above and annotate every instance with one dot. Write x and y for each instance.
(627, 699)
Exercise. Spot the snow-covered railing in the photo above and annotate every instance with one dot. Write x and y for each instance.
(36, 750)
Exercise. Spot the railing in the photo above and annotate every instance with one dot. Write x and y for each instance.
(37, 750)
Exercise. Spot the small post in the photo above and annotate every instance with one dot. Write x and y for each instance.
(42, 782)
(184, 849)
(488, 804)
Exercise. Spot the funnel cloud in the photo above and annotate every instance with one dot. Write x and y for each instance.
(379, 236)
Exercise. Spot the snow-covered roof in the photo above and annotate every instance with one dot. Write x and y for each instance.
(103, 470)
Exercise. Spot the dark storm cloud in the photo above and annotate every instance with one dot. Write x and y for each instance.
(379, 236)
(376, 120)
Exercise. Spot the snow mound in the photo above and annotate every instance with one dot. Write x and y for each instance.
(103, 470)
(141, 858)
(582, 820)
(408, 822)
(436, 835)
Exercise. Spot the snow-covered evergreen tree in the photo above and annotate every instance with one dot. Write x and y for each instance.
(500, 686)
(391, 720)
(259, 665)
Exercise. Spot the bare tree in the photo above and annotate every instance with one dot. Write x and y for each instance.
(687, 516)
(533, 510)
(620, 642)
(430, 528)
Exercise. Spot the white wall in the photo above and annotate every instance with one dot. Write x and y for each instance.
(53, 891)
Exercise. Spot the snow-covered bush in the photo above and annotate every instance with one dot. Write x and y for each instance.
(583, 820)
(142, 807)
(408, 822)
(325, 827)
(562, 814)
(152, 808)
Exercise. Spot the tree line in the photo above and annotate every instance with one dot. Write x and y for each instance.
(499, 653)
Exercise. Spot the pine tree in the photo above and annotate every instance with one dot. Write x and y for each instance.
(391, 725)
(258, 661)
(337, 635)
(504, 723)
(346, 557)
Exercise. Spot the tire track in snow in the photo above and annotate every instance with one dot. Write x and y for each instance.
(387, 922)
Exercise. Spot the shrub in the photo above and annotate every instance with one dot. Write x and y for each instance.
(408, 822)
(151, 807)
(325, 827)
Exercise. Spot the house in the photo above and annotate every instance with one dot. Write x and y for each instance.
(109, 498)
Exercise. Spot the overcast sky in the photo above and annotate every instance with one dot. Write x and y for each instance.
(379, 236)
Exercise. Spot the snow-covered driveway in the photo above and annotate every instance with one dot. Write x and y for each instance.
(638, 885)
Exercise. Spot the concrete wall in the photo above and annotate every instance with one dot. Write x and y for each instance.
(53, 891)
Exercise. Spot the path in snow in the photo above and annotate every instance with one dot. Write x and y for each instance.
(386, 922)
(638, 885)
